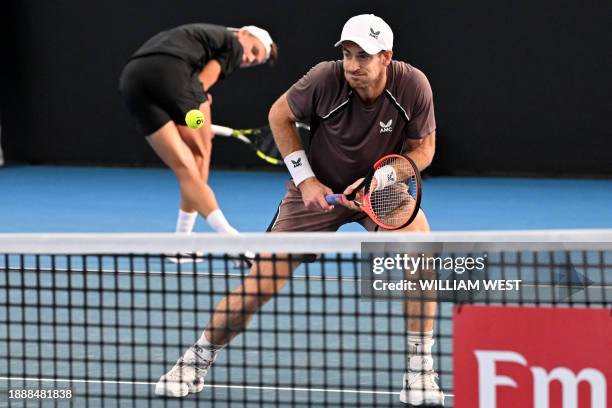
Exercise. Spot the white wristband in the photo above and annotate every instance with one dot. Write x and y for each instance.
(298, 166)
(385, 176)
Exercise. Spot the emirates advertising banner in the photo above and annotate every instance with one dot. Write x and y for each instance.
(540, 357)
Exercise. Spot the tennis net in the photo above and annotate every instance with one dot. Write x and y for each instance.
(97, 319)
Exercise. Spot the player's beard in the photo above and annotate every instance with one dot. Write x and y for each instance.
(363, 82)
(357, 82)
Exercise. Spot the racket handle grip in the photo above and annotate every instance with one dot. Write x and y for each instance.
(333, 199)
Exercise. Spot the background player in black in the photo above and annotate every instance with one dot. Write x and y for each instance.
(171, 74)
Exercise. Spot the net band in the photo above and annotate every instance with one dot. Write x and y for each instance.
(77, 243)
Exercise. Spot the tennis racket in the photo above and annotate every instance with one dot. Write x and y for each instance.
(390, 194)
(261, 140)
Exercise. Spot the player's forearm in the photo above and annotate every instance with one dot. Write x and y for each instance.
(282, 124)
(422, 159)
(422, 151)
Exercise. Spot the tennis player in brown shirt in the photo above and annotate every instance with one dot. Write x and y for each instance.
(360, 108)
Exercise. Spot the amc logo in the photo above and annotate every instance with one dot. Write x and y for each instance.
(532, 357)
(489, 380)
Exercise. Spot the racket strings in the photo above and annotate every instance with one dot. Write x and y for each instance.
(394, 204)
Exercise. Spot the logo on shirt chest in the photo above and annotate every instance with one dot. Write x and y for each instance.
(386, 127)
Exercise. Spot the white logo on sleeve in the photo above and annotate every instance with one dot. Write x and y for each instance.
(386, 127)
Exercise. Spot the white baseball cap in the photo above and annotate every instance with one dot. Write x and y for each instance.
(262, 35)
(368, 31)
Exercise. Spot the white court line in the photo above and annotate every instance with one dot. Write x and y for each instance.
(183, 273)
(245, 387)
(75, 380)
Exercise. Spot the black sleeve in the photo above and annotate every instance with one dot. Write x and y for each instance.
(229, 56)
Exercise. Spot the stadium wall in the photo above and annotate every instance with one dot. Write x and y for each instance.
(520, 87)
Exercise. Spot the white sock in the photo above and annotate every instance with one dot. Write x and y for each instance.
(204, 343)
(207, 351)
(185, 222)
(420, 343)
(419, 351)
(217, 221)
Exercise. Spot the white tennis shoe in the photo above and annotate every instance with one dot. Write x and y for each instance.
(420, 387)
(244, 261)
(186, 257)
(186, 376)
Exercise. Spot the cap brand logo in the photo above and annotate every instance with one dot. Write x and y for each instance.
(374, 34)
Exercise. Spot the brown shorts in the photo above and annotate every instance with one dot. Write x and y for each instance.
(293, 216)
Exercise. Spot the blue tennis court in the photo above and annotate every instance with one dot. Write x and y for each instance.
(80, 199)
(86, 199)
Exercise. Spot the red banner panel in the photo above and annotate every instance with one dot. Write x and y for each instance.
(540, 357)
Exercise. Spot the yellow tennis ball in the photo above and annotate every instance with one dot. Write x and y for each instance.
(194, 119)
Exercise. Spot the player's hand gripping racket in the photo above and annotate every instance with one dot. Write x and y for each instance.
(390, 192)
(261, 140)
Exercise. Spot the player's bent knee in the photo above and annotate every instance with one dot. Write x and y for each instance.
(270, 284)
(260, 290)
(206, 148)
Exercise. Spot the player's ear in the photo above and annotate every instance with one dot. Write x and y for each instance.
(386, 57)
(273, 55)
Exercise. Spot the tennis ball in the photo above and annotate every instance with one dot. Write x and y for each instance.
(194, 119)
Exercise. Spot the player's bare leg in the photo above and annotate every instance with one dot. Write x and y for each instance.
(176, 154)
(231, 316)
(420, 387)
(187, 152)
(199, 142)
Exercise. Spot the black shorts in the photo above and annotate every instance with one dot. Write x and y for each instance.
(158, 89)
